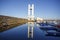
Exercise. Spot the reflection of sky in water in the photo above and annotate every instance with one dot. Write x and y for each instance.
(38, 25)
(21, 33)
(31, 23)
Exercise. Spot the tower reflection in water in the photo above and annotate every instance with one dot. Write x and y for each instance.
(30, 29)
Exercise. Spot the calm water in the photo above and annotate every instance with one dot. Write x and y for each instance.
(21, 33)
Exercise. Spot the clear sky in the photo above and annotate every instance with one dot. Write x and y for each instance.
(49, 9)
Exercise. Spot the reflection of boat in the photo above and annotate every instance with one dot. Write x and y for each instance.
(43, 24)
(58, 25)
(52, 32)
(52, 24)
(46, 24)
(58, 29)
(48, 28)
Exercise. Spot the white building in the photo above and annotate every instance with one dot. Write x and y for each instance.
(39, 19)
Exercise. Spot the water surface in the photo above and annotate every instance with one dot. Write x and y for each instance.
(21, 33)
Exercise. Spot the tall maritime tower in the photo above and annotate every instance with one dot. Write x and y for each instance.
(30, 12)
(30, 18)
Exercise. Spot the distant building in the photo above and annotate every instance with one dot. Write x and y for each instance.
(39, 19)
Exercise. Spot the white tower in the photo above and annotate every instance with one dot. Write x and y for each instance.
(31, 12)
(30, 17)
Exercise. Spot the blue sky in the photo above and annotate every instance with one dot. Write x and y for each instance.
(47, 9)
